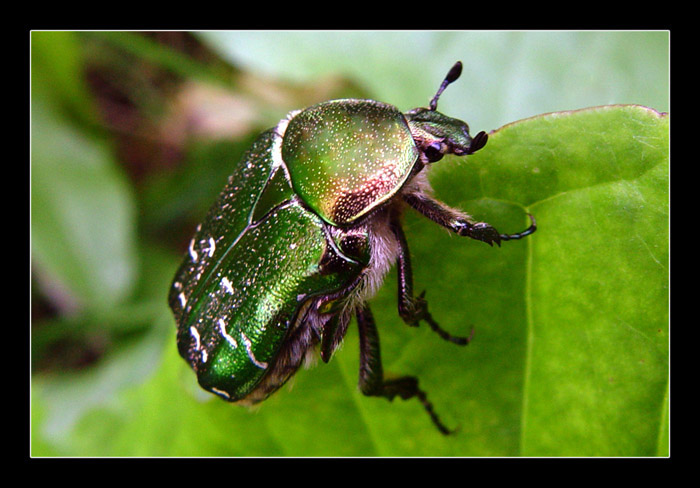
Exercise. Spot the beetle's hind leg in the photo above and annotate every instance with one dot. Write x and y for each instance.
(372, 382)
(414, 309)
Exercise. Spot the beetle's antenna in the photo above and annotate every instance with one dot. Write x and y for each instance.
(452, 75)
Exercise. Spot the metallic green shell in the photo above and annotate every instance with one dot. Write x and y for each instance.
(346, 157)
(255, 260)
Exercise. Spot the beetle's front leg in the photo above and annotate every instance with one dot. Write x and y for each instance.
(372, 382)
(414, 309)
(461, 224)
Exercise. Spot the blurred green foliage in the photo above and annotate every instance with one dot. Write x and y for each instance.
(133, 135)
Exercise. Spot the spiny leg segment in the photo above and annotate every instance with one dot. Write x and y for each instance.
(414, 309)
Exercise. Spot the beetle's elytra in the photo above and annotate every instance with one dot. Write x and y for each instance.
(302, 236)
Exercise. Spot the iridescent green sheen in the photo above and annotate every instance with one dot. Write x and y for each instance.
(277, 190)
(302, 235)
(428, 124)
(239, 290)
(346, 157)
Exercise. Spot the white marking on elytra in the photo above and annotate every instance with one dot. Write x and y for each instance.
(195, 334)
(221, 392)
(183, 300)
(193, 253)
(212, 247)
(229, 338)
(227, 284)
(276, 149)
(249, 350)
(198, 344)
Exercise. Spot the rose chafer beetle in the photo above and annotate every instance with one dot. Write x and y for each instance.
(302, 236)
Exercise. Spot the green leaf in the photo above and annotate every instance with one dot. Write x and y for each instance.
(597, 360)
(57, 66)
(570, 352)
(82, 212)
(570, 348)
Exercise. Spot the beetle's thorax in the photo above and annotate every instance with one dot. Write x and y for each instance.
(347, 157)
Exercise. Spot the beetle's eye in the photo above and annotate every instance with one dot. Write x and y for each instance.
(434, 152)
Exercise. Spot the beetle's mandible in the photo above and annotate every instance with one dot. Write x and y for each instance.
(302, 236)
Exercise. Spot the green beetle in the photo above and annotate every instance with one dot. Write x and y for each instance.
(302, 236)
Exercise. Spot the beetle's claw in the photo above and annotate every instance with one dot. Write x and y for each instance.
(483, 232)
(526, 232)
(418, 310)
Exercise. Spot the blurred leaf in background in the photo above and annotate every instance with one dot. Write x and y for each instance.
(134, 134)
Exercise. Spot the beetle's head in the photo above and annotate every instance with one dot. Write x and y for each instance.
(436, 134)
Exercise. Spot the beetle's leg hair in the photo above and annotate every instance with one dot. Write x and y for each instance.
(372, 381)
(328, 337)
(414, 309)
(460, 223)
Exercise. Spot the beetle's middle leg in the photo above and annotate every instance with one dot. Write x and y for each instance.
(372, 382)
(414, 309)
